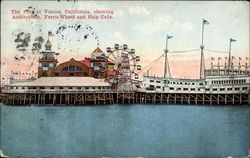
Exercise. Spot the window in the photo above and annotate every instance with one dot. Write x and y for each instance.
(171, 88)
(192, 83)
(65, 69)
(158, 86)
(178, 89)
(78, 87)
(93, 87)
(201, 84)
(151, 81)
(151, 86)
(42, 87)
(222, 89)
(99, 87)
(86, 87)
(214, 89)
(71, 74)
(70, 87)
(51, 87)
(166, 81)
(158, 81)
(237, 88)
(185, 89)
(192, 89)
(244, 88)
(56, 74)
(229, 89)
(22, 87)
(45, 65)
(207, 89)
(60, 87)
(72, 68)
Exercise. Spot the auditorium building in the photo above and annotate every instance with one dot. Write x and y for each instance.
(96, 66)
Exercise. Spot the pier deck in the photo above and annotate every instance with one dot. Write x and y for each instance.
(121, 97)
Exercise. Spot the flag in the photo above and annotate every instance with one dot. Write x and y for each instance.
(168, 37)
(205, 22)
(50, 33)
(232, 40)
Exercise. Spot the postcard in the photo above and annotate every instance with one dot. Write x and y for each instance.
(119, 79)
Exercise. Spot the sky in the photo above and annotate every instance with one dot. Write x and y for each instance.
(141, 25)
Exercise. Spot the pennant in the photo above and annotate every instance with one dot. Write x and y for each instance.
(205, 22)
(50, 33)
(232, 40)
(168, 37)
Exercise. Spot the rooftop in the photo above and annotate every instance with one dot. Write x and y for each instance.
(97, 50)
(63, 81)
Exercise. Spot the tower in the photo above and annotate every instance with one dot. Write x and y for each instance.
(47, 61)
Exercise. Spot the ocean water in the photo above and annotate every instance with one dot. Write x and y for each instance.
(125, 131)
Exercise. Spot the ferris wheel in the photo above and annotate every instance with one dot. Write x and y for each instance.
(125, 64)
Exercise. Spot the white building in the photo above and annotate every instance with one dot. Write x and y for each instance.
(57, 84)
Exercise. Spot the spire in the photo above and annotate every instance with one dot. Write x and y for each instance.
(97, 50)
(48, 45)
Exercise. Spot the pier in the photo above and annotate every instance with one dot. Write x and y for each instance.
(120, 97)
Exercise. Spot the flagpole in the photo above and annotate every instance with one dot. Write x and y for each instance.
(229, 58)
(202, 55)
(166, 67)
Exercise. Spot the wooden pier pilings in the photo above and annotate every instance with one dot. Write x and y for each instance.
(122, 97)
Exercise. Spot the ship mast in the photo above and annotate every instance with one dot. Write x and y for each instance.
(202, 62)
(167, 73)
(229, 58)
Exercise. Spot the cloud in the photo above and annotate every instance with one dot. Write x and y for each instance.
(118, 35)
(139, 10)
(186, 26)
(158, 24)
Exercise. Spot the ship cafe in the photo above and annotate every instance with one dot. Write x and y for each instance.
(210, 85)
